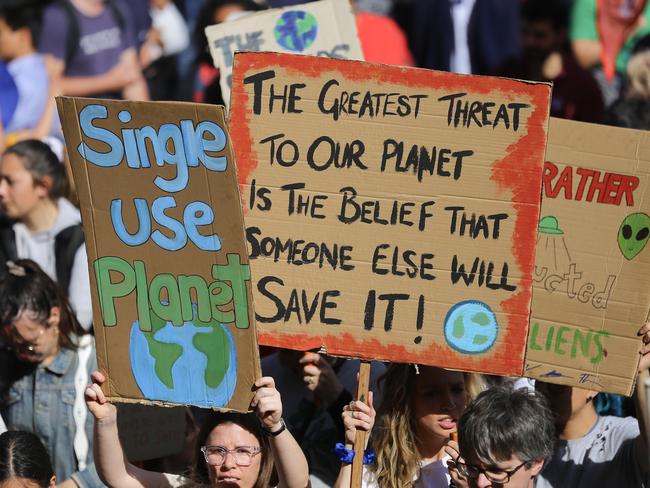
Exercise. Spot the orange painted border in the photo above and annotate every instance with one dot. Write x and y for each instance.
(527, 152)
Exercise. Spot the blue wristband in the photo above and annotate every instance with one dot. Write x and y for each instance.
(344, 455)
(369, 456)
(347, 455)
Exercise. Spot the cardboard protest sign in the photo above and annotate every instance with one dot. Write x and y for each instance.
(324, 28)
(592, 270)
(173, 315)
(391, 213)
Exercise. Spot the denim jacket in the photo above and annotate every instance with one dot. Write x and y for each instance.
(44, 400)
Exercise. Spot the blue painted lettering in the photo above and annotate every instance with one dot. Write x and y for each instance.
(182, 145)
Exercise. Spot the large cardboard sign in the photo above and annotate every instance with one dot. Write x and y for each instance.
(325, 28)
(391, 213)
(172, 306)
(592, 270)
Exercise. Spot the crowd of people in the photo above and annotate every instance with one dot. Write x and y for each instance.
(62, 431)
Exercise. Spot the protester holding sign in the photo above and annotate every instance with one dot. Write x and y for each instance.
(417, 418)
(45, 369)
(595, 450)
(315, 388)
(231, 450)
(46, 227)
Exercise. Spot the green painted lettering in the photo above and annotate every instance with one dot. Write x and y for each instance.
(170, 311)
(601, 349)
(192, 282)
(560, 340)
(109, 291)
(533, 338)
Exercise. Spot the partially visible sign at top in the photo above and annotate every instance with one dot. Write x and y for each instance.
(326, 28)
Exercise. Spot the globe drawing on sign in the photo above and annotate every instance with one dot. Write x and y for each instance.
(194, 363)
(296, 30)
(471, 327)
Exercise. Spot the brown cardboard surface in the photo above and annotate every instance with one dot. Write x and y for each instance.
(358, 260)
(590, 295)
(324, 28)
(172, 307)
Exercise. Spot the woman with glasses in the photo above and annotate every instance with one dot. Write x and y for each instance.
(45, 364)
(232, 449)
(419, 412)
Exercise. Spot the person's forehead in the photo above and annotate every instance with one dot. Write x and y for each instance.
(26, 320)
(19, 483)
(11, 164)
(231, 435)
(505, 465)
(430, 376)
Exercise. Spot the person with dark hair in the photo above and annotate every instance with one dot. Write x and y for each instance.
(44, 227)
(546, 57)
(25, 461)
(232, 449)
(214, 12)
(44, 369)
(34, 116)
(505, 437)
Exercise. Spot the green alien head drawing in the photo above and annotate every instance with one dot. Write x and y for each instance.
(633, 234)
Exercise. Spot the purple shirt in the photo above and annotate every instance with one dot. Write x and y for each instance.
(101, 40)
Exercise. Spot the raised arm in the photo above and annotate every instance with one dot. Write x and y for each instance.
(356, 415)
(110, 461)
(290, 462)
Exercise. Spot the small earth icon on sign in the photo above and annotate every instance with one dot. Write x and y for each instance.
(296, 30)
(471, 327)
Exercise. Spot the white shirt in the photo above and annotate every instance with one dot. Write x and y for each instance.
(461, 11)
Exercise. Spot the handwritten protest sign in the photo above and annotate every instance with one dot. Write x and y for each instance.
(391, 213)
(325, 28)
(161, 210)
(592, 270)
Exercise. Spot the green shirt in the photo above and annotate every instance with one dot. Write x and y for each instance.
(583, 27)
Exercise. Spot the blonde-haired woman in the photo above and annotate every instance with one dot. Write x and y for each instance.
(419, 412)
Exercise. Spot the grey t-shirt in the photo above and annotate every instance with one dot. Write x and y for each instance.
(102, 39)
(604, 457)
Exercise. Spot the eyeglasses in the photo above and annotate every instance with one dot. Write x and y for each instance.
(473, 472)
(15, 341)
(243, 456)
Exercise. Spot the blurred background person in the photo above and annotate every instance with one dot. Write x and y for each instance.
(166, 39)
(603, 35)
(546, 56)
(461, 36)
(42, 224)
(34, 115)
(92, 48)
